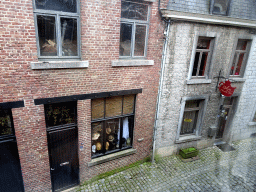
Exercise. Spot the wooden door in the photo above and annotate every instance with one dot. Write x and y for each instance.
(63, 151)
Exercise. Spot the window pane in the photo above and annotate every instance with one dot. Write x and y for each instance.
(203, 64)
(97, 138)
(127, 135)
(128, 104)
(125, 39)
(47, 35)
(233, 64)
(69, 36)
(97, 108)
(140, 36)
(5, 123)
(241, 44)
(192, 103)
(134, 11)
(60, 114)
(113, 106)
(196, 63)
(203, 43)
(57, 5)
(189, 122)
(112, 134)
(239, 64)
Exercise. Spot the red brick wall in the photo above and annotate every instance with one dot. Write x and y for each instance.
(100, 30)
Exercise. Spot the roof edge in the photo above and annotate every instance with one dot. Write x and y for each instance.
(209, 19)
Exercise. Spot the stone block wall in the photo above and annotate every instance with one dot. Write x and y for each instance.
(175, 87)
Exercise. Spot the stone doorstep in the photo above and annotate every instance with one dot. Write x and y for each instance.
(189, 159)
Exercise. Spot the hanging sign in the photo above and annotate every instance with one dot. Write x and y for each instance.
(226, 89)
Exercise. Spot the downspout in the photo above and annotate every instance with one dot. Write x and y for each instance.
(166, 36)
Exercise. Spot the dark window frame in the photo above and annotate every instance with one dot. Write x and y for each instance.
(10, 136)
(58, 15)
(134, 23)
(56, 127)
(105, 119)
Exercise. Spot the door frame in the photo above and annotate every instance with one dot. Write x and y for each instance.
(227, 137)
(59, 128)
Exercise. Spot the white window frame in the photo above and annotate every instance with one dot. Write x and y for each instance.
(214, 36)
(199, 124)
(58, 15)
(135, 22)
(249, 39)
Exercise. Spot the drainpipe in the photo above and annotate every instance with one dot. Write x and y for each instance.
(166, 33)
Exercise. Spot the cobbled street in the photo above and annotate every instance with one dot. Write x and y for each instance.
(214, 171)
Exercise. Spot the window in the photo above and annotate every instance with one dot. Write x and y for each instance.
(240, 58)
(202, 57)
(57, 28)
(220, 7)
(133, 29)
(59, 114)
(6, 124)
(112, 124)
(191, 117)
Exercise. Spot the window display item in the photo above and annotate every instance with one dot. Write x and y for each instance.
(98, 146)
(111, 138)
(94, 148)
(107, 145)
(95, 136)
(108, 130)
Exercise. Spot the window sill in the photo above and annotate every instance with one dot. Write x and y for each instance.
(237, 79)
(131, 62)
(198, 81)
(59, 64)
(252, 123)
(110, 157)
(188, 138)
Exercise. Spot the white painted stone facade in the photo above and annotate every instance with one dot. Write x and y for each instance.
(176, 86)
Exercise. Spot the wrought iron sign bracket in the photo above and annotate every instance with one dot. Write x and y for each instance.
(219, 77)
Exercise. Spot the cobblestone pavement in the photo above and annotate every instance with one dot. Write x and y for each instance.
(215, 171)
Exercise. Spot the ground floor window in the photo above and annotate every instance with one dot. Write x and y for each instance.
(112, 124)
(191, 116)
(6, 125)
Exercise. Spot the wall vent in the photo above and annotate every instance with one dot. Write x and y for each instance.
(220, 7)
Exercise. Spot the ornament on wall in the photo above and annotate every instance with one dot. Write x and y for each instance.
(226, 89)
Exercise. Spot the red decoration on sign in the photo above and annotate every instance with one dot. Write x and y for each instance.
(226, 89)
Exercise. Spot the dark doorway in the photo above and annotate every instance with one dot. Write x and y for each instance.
(10, 169)
(226, 116)
(63, 144)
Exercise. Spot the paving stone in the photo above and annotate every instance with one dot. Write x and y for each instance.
(216, 170)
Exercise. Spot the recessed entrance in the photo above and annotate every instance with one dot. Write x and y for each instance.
(10, 169)
(226, 116)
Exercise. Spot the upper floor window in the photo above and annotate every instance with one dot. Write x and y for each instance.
(133, 29)
(220, 7)
(57, 28)
(240, 58)
(202, 57)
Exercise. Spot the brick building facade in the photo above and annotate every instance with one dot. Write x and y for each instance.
(208, 42)
(61, 65)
